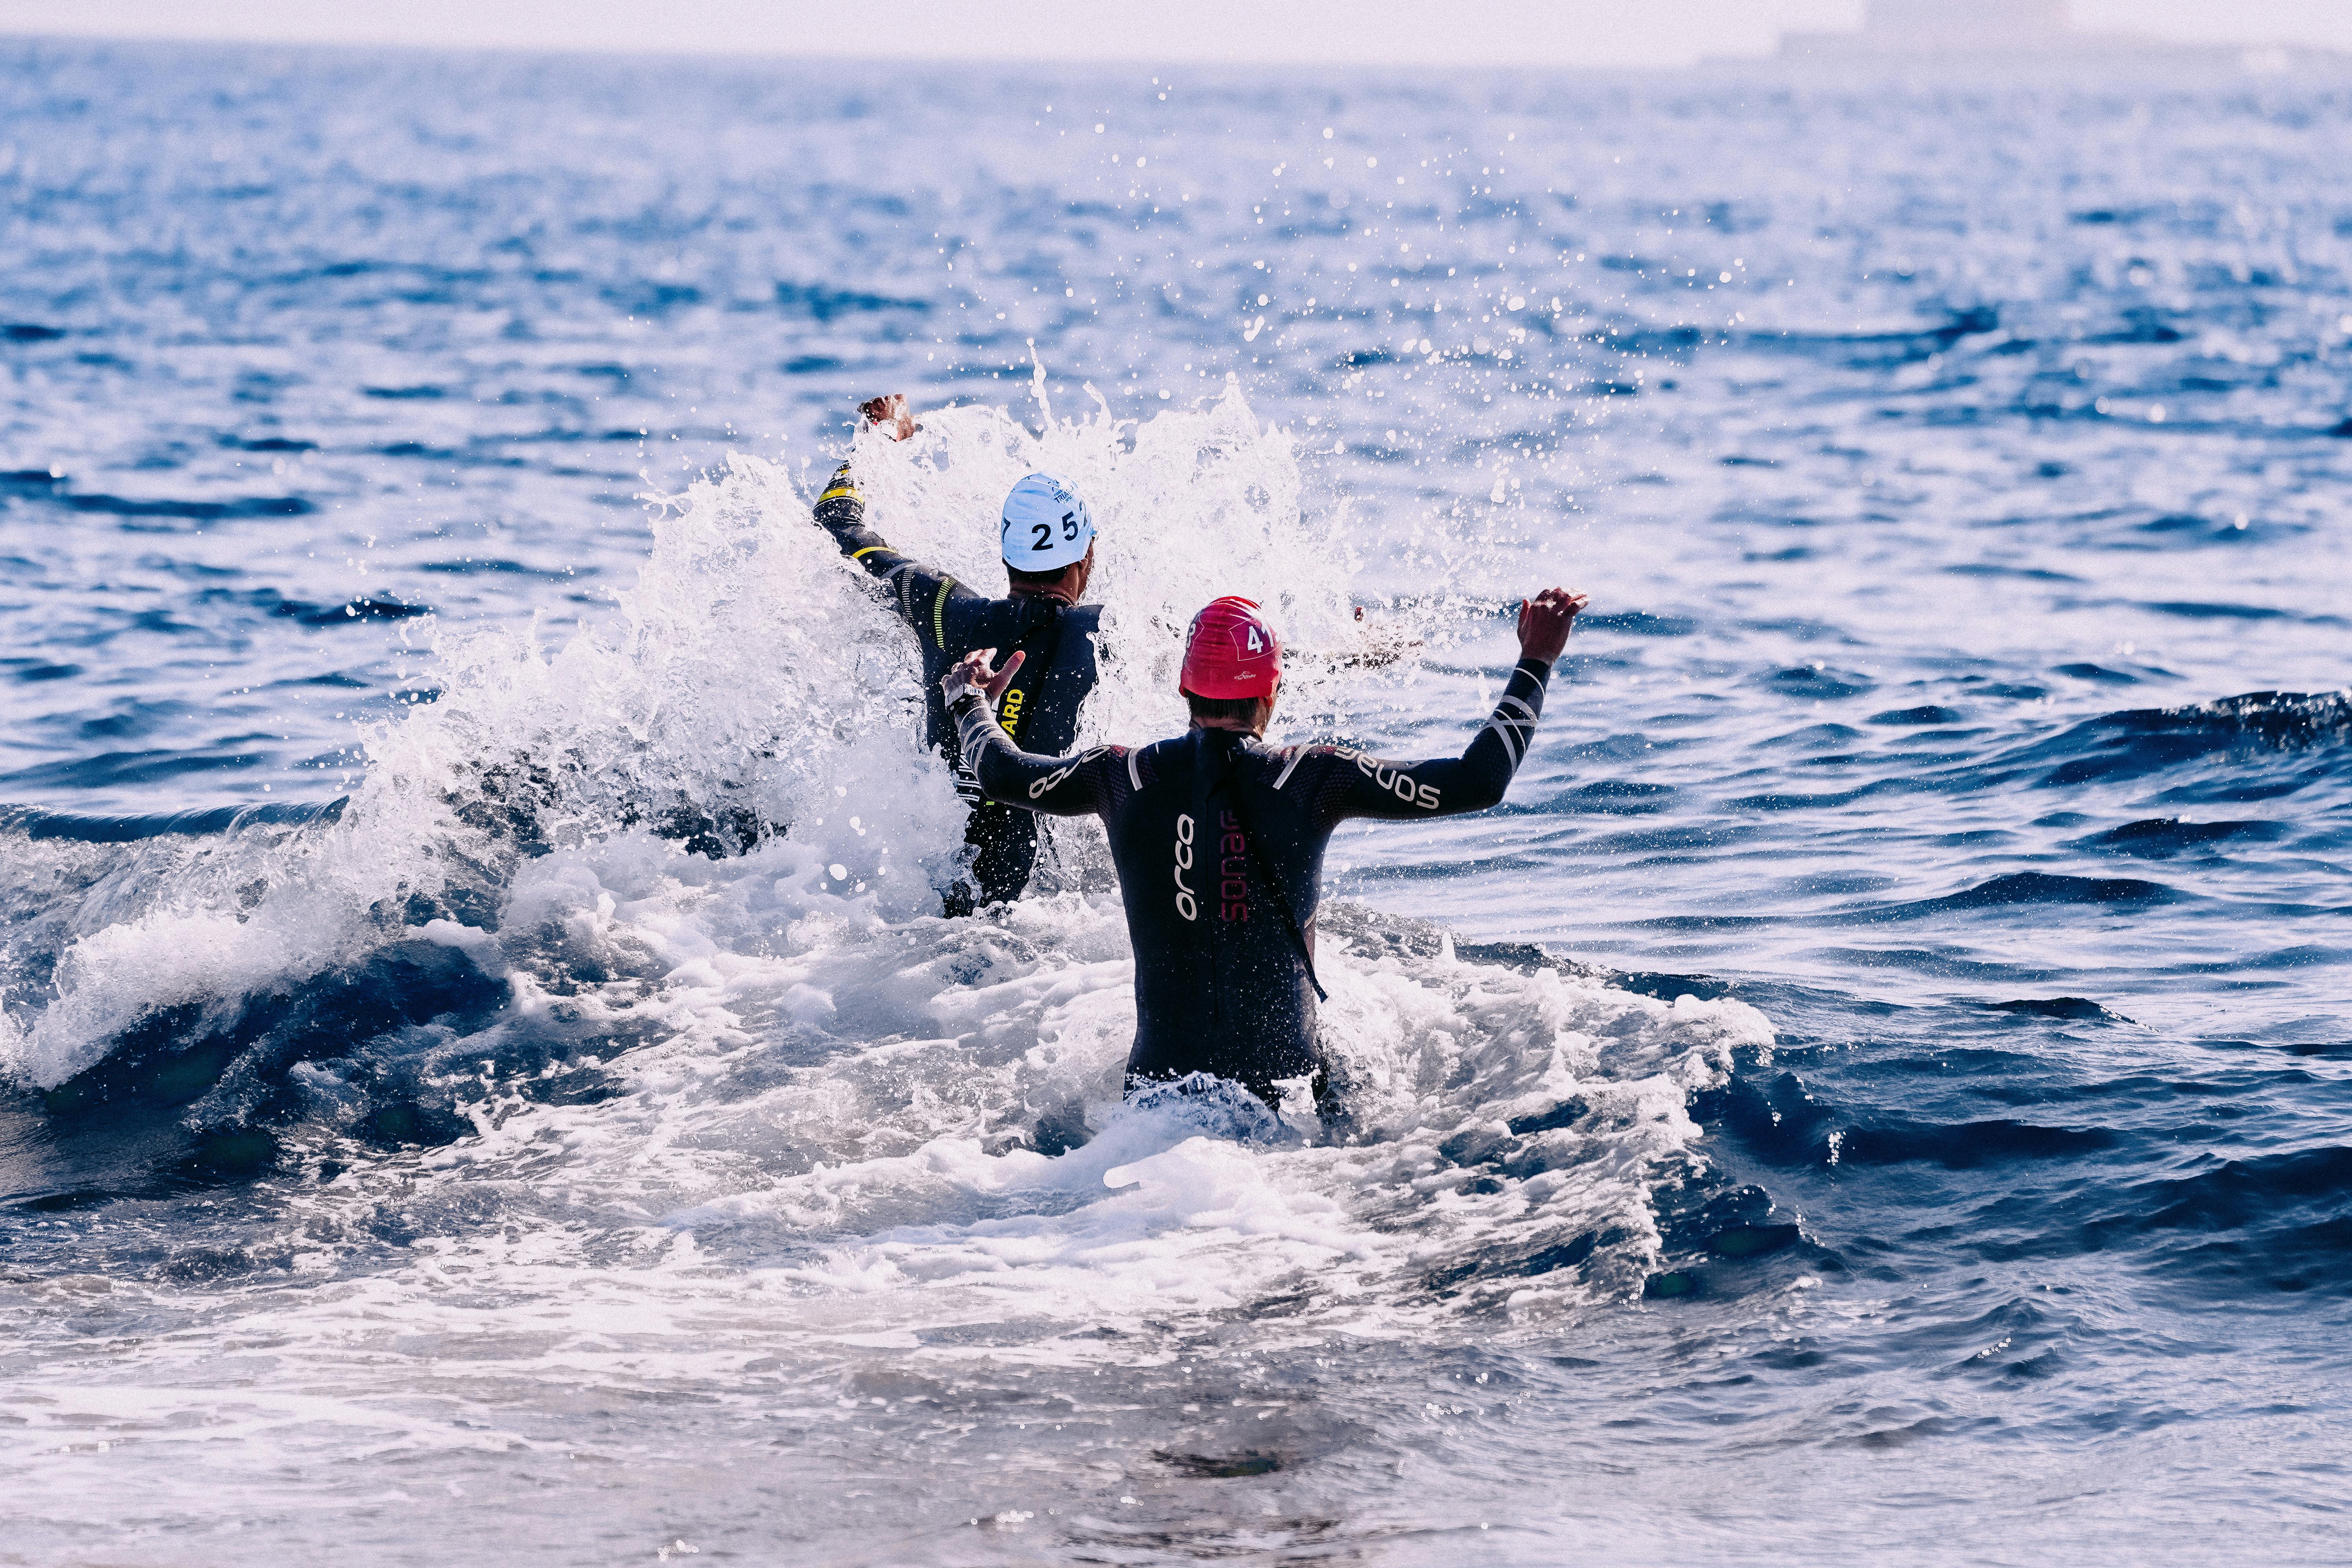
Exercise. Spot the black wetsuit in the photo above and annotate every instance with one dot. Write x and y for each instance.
(1219, 843)
(950, 620)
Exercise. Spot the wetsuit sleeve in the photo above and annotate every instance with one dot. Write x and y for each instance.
(1082, 785)
(841, 511)
(921, 596)
(1348, 783)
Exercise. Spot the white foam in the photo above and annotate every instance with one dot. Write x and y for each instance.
(827, 1085)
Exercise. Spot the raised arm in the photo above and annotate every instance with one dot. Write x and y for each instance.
(841, 510)
(1357, 783)
(1058, 786)
(922, 593)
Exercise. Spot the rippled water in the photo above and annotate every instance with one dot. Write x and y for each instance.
(484, 1069)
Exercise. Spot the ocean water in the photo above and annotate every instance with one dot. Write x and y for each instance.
(484, 1072)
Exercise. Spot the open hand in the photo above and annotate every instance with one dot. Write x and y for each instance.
(974, 674)
(890, 414)
(1544, 621)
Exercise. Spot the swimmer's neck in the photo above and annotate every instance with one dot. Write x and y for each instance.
(1257, 730)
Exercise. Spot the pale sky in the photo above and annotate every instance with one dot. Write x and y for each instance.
(1401, 32)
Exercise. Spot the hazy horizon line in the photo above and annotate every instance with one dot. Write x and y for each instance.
(1842, 63)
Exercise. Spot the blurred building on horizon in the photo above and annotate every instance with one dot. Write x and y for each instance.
(1915, 31)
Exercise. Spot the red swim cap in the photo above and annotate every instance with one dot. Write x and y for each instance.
(1230, 652)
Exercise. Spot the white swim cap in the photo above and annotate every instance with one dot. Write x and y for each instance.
(1046, 526)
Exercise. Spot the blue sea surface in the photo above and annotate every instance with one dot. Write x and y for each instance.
(483, 1071)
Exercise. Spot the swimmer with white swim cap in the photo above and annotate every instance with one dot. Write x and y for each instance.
(1046, 536)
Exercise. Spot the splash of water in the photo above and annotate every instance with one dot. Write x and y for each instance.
(792, 1045)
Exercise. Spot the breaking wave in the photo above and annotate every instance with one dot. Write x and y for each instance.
(651, 917)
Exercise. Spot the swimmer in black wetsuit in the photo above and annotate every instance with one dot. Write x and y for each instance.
(1047, 538)
(1219, 839)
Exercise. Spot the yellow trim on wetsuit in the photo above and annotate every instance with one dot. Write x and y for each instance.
(837, 491)
(862, 554)
(938, 611)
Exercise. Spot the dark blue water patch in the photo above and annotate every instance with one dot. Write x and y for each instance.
(2162, 837)
(2197, 533)
(2191, 610)
(125, 770)
(2077, 1009)
(2140, 326)
(1773, 1118)
(641, 298)
(32, 670)
(348, 612)
(2099, 673)
(2040, 888)
(2140, 741)
(495, 566)
(270, 602)
(2178, 522)
(2281, 1222)
(2233, 789)
(1878, 350)
(162, 623)
(2022, 573)
(1717, 1234)
(1614, 797)
(35, 479)
(1816, 737)
(131, 720)
(821, 302)
(553, 434)
(1675, 843)
(268, 444)
(378, 1027)
(1969, 1146)
(1927, 713)
(2302, 955)
(404, 394)
(35, 823)
(176, 566)
(1638, 622)
(1820, 685)
(2045, 1187)
(1635, 748)
(1791, 800)
(194, 511)
(29, 332)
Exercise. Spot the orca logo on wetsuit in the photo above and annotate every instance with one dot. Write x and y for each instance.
(1038, 790)
(1186, 905)
(1398, 783)
(1233, 884)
